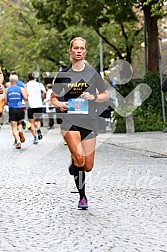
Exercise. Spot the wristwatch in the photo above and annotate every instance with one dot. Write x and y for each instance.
(95, 97)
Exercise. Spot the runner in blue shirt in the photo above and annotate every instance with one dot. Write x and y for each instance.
(21, 84)
(14, 97)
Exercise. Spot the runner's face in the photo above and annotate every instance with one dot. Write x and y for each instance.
(78, 50)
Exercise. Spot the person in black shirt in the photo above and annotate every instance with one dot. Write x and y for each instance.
(76, 90)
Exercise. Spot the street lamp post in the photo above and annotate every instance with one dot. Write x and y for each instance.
(101, 58)
(160, 70)
(37, 71)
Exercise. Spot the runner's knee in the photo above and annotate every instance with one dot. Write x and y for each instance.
(88, 167)
(79, 160)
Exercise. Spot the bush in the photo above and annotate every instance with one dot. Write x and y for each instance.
(148, 116)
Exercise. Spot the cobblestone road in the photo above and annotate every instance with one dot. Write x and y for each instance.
(127, 193)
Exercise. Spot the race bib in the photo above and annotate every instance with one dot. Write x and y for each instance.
(77, 106)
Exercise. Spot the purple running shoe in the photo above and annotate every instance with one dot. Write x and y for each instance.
(83, 203)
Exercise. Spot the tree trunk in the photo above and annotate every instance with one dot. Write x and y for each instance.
(152, 39)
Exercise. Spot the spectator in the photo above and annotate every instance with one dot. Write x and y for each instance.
(50, 109)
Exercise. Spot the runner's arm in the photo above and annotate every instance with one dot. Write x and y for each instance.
(99, 97)
(1, 77)
(58, 104)
(5, 97)
(24, 93)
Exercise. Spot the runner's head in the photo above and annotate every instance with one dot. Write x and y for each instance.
(31, 76)
(13, 78)
(77, 49)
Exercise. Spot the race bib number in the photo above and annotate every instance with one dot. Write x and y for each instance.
(77, 106)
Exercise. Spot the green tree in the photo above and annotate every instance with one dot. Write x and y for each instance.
(25, 44)
(64, 13)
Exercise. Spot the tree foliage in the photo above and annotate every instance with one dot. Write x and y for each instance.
(26, 45)
(64, 13)
(28, 42)
(148, 116)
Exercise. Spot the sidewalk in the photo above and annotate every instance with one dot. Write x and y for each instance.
(153, 144)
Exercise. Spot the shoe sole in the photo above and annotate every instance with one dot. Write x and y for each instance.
(22, 138)
(83, 207)
(18, 147)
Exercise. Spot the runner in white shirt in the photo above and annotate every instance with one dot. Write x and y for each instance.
(36, 93)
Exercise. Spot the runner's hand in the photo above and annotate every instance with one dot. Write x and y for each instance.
(63, 106)
(87, 96)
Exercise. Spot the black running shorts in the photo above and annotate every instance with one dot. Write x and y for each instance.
(32, 111)
(84, 133)
(86, 127)
(16, 114)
